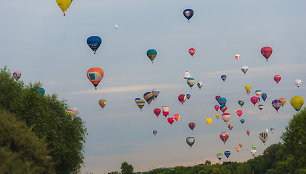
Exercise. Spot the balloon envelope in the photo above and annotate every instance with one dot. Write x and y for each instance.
(63, 4)
(148, 96)
(200, 84)
(188, 13)
(17, 75)
(170, 120)
(242, 121)
(95, 75)
(276, 104)
(191, 51)
(297, 102)
(176, 117)
(191, 82)
(239, 112)
(182, 98)
(298, 82)
(208, 121)
(264, 96)
(165, 110)
(219, 156)
(224, 136)
(188, 96)
(263, 137)
(222, 101)
(102, 103)
(241, 102)
(187, 75)
(157, 111)
(190, 141)
(266, 52)
(226, 117)
(227, 153)
(155, 132)
(254, 100)
(223, 77)
(244, 69)
(248, 132)
(277, 78)
(192, 125)
(151, 53)
(237, 56)
(94, 43)
(223, 108)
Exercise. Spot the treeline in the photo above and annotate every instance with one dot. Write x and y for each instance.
(288, 157)
(36, 135)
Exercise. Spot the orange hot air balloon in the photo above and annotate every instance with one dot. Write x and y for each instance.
(95, 75)
(176, 117)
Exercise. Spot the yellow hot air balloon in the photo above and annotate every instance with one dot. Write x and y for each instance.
(283, 100)
(248, 88)
(63, 4)
(217, 116)
(208, 121)
(297, 102)
(240, 144)
(102, 103)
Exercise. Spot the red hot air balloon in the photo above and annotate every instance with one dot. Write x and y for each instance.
(239, 112)
(182, 98)
(217, 107)
(157, 111)
(191, 51)
(217, 97)
(254, 100)
(165, 110)
(266, 52)
(170, 120)
(277, 78)
(248, 132)
(191, 125)
(95, 75)
(224, 136)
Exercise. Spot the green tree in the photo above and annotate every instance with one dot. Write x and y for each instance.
(21, 151)
(244, 168)
(47, 116)
(126, 168)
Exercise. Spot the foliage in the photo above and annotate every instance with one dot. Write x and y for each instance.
(126, 168)
(22, 151)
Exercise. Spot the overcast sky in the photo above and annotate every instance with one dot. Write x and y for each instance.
(37, 40)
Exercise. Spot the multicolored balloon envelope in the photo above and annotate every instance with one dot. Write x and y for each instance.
(241, 103)
(263, 137)
(238, 149)
(266, 52)
(219, 156)
(222, 101)
(188, 13)
(227, 153)
(64, 5)
(230, 126)
(151, 53)
(148, 96)
(217, 107)
(224, 136)
(254, 147)
(17, 75)
(94, 43)
(155, 92)
(41, 91)
(182, 98)
(226, 117)
(258, 93)
(264, 96)
(187, 75)
(242, 121)
(276, 104)
(260, 106)
(223, 108)
(223, 77)
(155, 132)
(297, 102)
(176, 117)
(237, 56)
(140, 103)
(253, 152)
(272, 130)
(191, 82)
(244, 69)
(102, 103)
(188, 96)
(283, 100)
(95, 75)
(190, 141)
(165, 110)
(200, 84)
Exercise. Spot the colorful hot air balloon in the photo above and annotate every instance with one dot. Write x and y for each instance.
(230, 126)
(200, 84)
(187, 75)
(148, 96)
(239, 113)
(190, 141)
(248, 132)
(238, 149)
(64, 5)
(244, 69)
(94, 43)
(75, 111)
(224, 136)
(223, 77)
(222, 101)
(272, 130)
(69, 113)
(297, 102)
(266, 52)
(298, 82)
(170, 120)
(237, 56)
(217, 107)
(192, 125)
(226, 117)
(264, 96)
(165, 110)
(140, 103)
(217, 116)
(283, 100)
(219, 156)
(17, 75)
(258, 93)
(182, 98)
(260, 106)
(157, 111)
(176, 117)
(155, 92)
(41, 91)
(253, 152)
(227, 153)
(242, 121)
(254, 100)
(217, 97)
(277, 78)
(155, 132)
(151, 53)
(276, 104)
(240, 144)
(191, 82)
(188, 13)
(191, 51)
(254, 147)
(188, 96)
(95, 75)
(208, 121)
(241, 102)
(223, 108)
(248, 89)
(263, 137)
(102, 103)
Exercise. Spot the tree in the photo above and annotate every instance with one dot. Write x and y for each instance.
(126, 168)
(47, 117)
(207, 162)
(21, 151)
(244, 168)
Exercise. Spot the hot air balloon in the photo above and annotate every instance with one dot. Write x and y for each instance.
(266, 52)
(258, 93)
(226, 117)
(95, 75)
(277, 78)
(192, 125)
(241, 102)
(254, 147)
(165, 110)
(272, 130)
(244, 69)
(237, 56)
(94, 43)
(248, 89)
(157, 111)
(242, 121)
(116, 26)
(298, 82)
(217, 97)
(182, 98)
(190, 141)
(260, 106)
(217, 116)
(217, 107)
(227, 153)
(69, 113)
(140, 103)
(41, 91)
(238, 149)
(222, 101)
(208, 121)
(240, 144)
(17, 75)
(151, 53)
(191, 51)
(219, 156)
(283, 100)
(248, 132)
(263, 137)
(75, 110)
(176, 117)
(223, 77)
(267, 130)
(253, 152)
(188, 13)
(155, 92)
(254, 100)
(223, 108)
(224, 136)
(102, 103)
(264, 96)
(148, 96)
(200, 84)
(297, 102)
(239, 113)
(230, 126)
(64, 5)
(170, 120)
(276, 104)
(188, 96)
(191, 82)
(155, 132)
(78, 118)
(187, 75)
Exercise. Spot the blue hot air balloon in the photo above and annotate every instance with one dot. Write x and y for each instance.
(188, 96)
(264, 96)
(223, 77)
(222, 101)
(94, 43)
(227, 153)
(188, 13)
(41, 91)
(242, 121)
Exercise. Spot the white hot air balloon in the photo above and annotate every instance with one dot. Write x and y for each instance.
(187, 75)
(253, 152)
(298, 82)
(116, 26)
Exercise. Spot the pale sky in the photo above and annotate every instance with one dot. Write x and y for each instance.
(45, 46)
